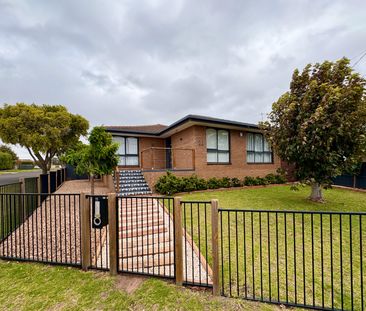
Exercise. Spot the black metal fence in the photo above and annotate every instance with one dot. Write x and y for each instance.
(196, 216)
(40, 227)
(146, 236)
(306, 259)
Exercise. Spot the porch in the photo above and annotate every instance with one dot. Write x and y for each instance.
(155, 159)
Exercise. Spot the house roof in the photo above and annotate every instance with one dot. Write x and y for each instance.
(148, 129)
(159, 130)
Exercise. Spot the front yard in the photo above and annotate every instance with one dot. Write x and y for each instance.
(27, 286)
(280, 255)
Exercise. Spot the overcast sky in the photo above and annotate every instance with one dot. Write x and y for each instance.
(143, 62)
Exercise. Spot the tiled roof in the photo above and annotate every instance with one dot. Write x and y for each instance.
(153, 129)
(159, 129)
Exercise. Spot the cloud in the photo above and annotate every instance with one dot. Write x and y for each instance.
(128, 62)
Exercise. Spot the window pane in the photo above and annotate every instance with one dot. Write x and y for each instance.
(122, 161)
(211, 156)
(223, 157)
(267, 157)
(250, 142)
(267, 147)
(223, 140)
(258, 142)
(131, 147)
(132, 160)
(211, 139)
(250, 157)
(121, 143)
(258, 158)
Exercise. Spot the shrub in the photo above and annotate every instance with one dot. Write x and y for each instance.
(235, 182)
(213, 183)
(225, 182)
(169, 184)
(6, 161)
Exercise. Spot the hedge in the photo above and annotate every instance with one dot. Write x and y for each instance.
(170, 184)
(6, 161)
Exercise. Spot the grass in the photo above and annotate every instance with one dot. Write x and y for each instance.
(27, 286)
(18, 171)
(249, 261)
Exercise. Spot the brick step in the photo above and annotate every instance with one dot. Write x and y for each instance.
(146, 239)
(147, 261)
(133, 185)
(128, 212)
(161, 270)
(143, 231)
(126, 194)
(143, 250)
(133, 218)
(142, 224)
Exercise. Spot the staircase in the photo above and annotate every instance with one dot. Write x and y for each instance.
(132, 182)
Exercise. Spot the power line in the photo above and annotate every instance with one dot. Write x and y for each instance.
(362, 56)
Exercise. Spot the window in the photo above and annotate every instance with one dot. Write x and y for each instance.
(218, 149)
(258, 149)
(127, 151)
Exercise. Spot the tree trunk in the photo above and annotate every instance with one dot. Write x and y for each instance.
(92, 184)
(316, 193)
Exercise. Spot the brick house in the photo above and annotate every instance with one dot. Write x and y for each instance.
(205, 146)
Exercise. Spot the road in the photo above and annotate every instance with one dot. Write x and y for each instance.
(14, 177)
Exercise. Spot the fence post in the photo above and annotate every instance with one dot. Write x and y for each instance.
(85, 231)
(22, 199)
(215, 247)
(112, 221)
(49, 182)
(178, 241)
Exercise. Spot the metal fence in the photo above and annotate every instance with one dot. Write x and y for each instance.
(196, 247)
(40, 227)
(304, 259)
(146, 236)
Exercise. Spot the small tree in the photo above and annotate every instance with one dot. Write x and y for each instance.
(319, 126)
(45, 131)
(6, 161)
(97, 158)
(7, 149)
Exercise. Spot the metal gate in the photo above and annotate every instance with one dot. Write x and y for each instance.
(145, 236)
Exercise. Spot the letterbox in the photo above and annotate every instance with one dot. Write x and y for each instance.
(99, 212)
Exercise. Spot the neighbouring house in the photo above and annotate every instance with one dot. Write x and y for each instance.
(205, 146)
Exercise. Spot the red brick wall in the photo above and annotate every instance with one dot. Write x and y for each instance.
(195, 138)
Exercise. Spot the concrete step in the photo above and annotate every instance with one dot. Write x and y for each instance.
(147, 261)
(143, 250)
(142, 231)
(134, 218)
(139, 210)
(125, 194)
(141, 224)
(146, 239)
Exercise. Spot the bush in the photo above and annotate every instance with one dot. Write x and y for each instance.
(170, 184)
(6, 161)
(235, 182)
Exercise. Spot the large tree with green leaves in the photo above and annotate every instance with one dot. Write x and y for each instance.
(97, 158)
(319, 125)
(45, 131)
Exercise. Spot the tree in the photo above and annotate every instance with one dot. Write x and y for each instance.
(97, 158)
(7, 149)
(6, 161)
(319, 125)
(45, 131)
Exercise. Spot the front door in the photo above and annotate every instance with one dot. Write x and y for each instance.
(168, 153)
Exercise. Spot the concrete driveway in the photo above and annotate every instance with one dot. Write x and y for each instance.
(14, 177)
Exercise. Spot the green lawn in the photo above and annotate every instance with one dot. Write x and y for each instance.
(26, 286)
(18, 171)
(268, 236)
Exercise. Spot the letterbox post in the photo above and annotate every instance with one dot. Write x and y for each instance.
(85, 231)
(112, 221)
